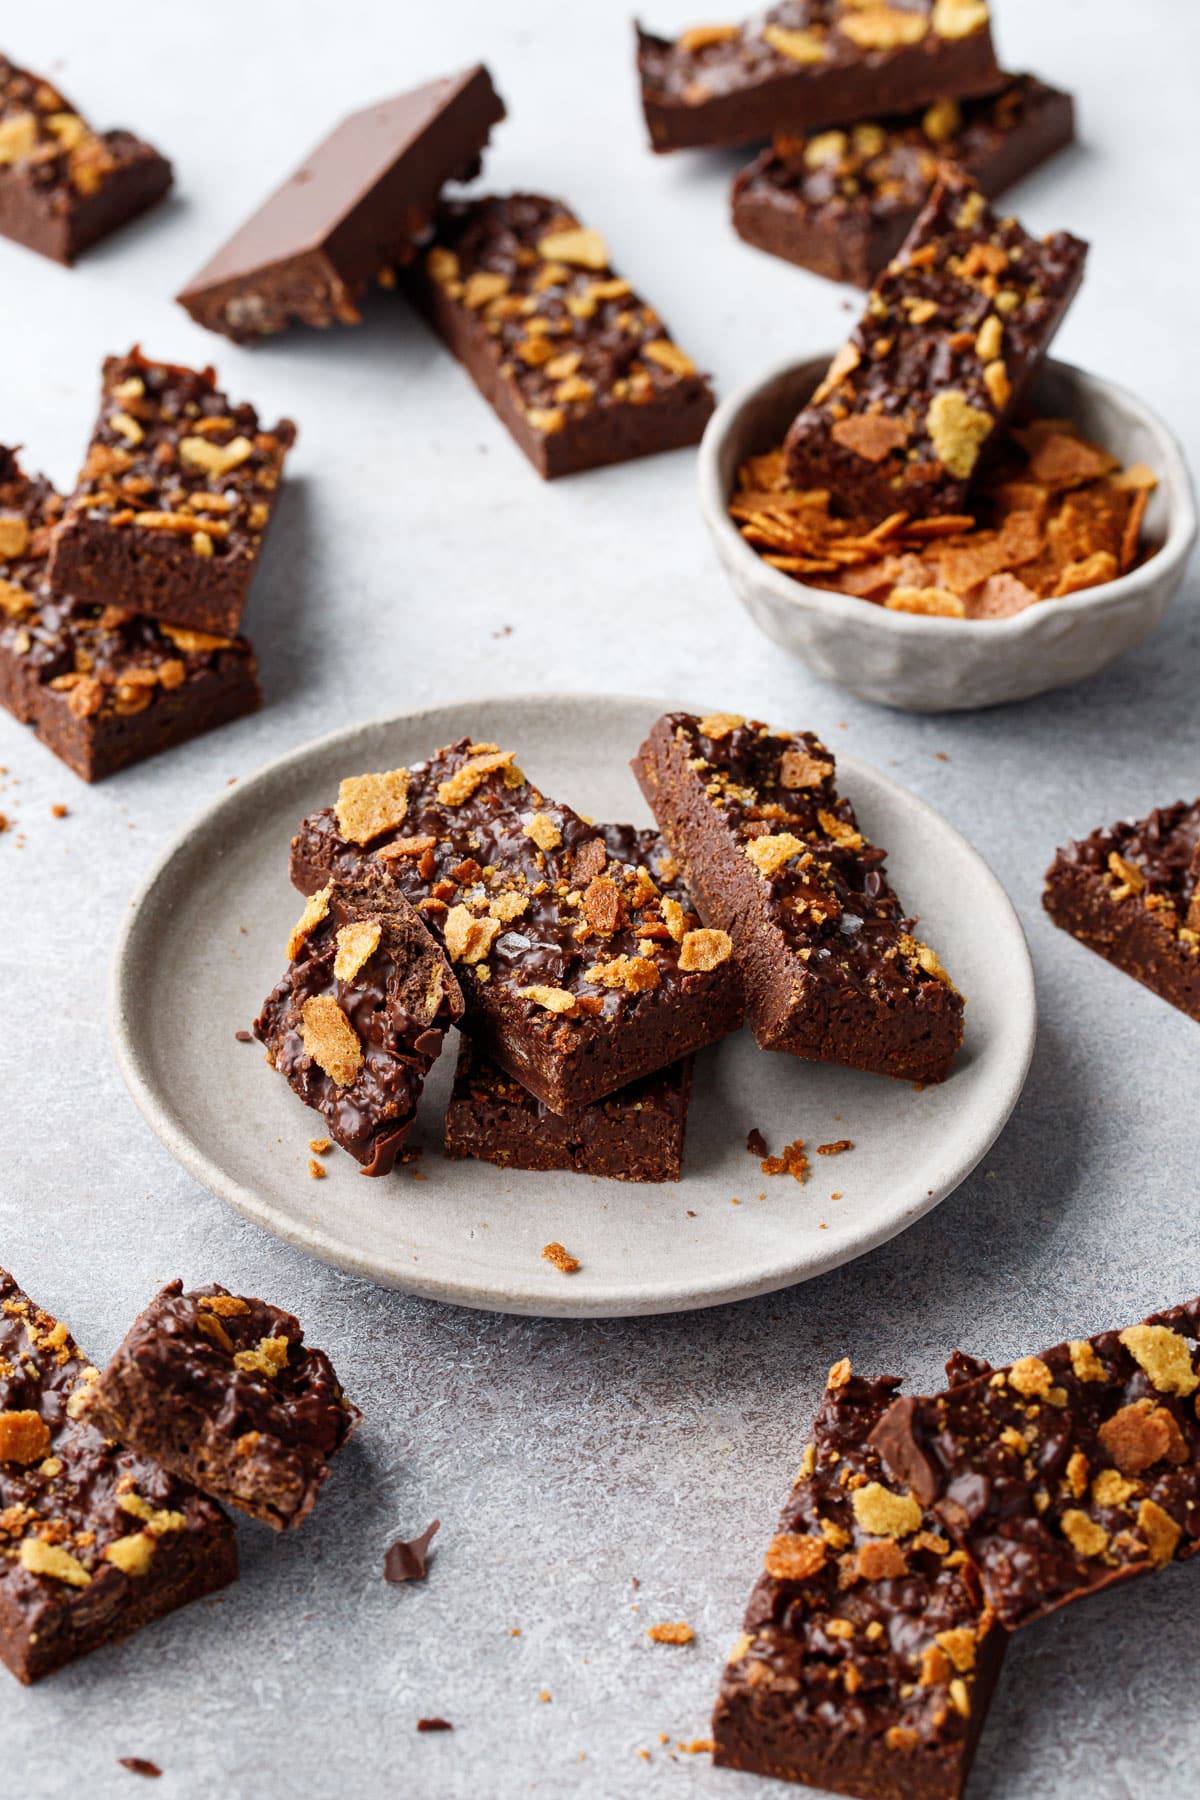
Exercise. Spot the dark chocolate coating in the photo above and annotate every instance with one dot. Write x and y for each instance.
(842, 202)
(400, 1003)
(151, 526)
(481, 856)
(354, 211)
(1064, 1473)
(960, 320)
(830, 966)
(840, 1680)
(742, 87)
(1148, 925)
(77, 1493)
(565, 351)
(635, 1134)
(73, 185)
(259, 1440)
(103, 687)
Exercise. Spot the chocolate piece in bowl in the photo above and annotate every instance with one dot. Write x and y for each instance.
(773, 855)
(953, 333)
(579, 368)
(353, 213)
(581, 965)
(172, 505)
(1132, 894)
(102, 687)
(223, 1390)
(809, 63)
(62, 184)
(841, 202)
(868, 1654)
(95, 1541)
(1065, 1473)
(359, 1019)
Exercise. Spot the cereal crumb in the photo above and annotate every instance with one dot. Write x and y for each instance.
(58, 812)
(835, 1149)
(561, 1258)
(318, 1146)
(316, 1169)
(791, 1161)
(679, 1633)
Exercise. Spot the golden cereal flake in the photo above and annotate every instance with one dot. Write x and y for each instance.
(770, 854)
(24, 1437)
(1083, 1534)
(268, 1358)
(133, 1554)
(462, 784)
(957, 431)
(544, 832)
(468, 938)
(582, 248)
(1164, 1355)
(369, 805)
(803, 47)
(792, 1557)
(884, 1513)
(316, 908)
(1084, 1361)
(14, 537)
(40, 1558)
(959, 18)
(1160, 1531)
(356, 943)
(330, 1039)
(553, 999)
(720, 725)
(704, 950)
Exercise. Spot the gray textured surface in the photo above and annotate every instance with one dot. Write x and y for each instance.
(565, 1459)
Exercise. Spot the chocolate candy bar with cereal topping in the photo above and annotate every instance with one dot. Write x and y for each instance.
(842, 202)
(351, 214)
(359, 1019)
(635, 1134)
(100, 686)
(868, 1654)
(1065, 1473)
(95, 1541)
(953, 333)
(582, 966)
(577, 366)
(224, 1391)
(171, 507)
(772, 855)
(1132, 894)
(63, 185)
(809, 63)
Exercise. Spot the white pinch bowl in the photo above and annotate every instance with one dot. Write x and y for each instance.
(925, 664)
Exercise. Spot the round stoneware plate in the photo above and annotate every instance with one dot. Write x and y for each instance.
(204, 944)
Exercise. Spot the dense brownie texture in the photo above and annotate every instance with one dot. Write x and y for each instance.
(582, 970)
(829, 963)
(576, 364)
(1132, 894)
(1067, 1472)
(63, 185)
(868, 1655)
(633, 1135)
(224, 1390)
(842, 202)
(171, 507)
(94, 1541)
(101, 687)
(358, 1021)
(809, 63)
(351, 214)
(953, 333)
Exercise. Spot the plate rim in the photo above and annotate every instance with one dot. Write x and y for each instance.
(316, 1241)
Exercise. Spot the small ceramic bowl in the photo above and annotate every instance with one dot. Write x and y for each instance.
(926, 664)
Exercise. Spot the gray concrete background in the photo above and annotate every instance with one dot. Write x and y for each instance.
(564, 1460)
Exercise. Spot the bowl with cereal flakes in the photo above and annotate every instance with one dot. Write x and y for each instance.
(1078, 533)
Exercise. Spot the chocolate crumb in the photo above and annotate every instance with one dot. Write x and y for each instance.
(243, 1037)
(405, 1560)
(434, 1725)
(756, 1143)
(561, 1258)
(835, 1149)
(140, 1765)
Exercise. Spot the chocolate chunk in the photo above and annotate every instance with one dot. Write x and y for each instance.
(809, 63)
(953, 333)
(171, 507)
(405, 1559)
(1132, 894)
(351, 214)
(434, 1725)
(830, 965)
(360, 1017)
(576, 992)
(576, 364)
(63, 186)
(756, 1143)
(95, 1541)
(1067, 1472)
(842, 202)
(223, 1389)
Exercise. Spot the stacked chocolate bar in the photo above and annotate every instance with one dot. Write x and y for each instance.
(921, 1531)
(120, 604)
(863, 105)
(584, 974)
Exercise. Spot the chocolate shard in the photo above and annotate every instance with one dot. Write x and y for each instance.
(353, 213)
(406, 1559)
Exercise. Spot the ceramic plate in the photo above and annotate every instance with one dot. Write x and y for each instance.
(208, 929)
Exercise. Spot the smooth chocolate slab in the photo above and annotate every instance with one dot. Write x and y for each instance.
(353, 212)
